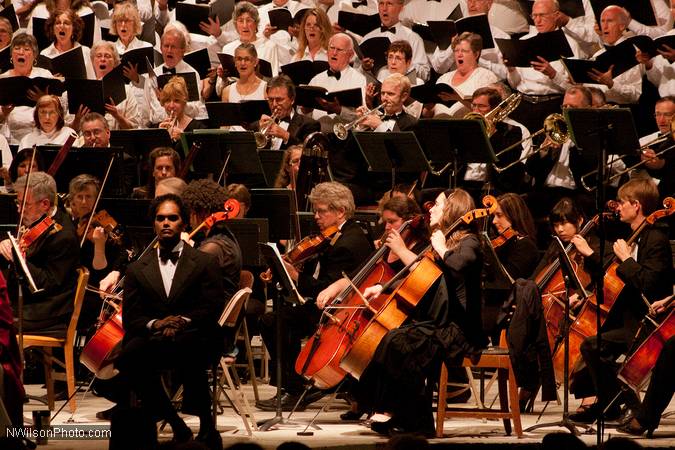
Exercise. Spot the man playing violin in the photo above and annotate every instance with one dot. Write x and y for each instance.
(343, 251)
(646, 270)
(52, 256)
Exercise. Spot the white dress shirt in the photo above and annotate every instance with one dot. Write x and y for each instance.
(39, 137)
(235, 97)
(662, 74)
(195, 109)
(420, 62)
(128, 108)
(349, 78)
(133, 45)
(280, 37)
(267, 50)
(368, 9)
(479, 78)
(664, 21)
(561, 175)
(321, 55)
(421, 11)
(443, 60)
(627, 87)
(168, 268)
(509, 16)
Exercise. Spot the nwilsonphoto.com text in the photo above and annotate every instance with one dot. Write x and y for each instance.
(61, 432)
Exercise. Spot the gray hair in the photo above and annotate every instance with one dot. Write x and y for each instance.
(336, 195)
(42, 186)
(246, 8)
(80, 182)
(108, 45)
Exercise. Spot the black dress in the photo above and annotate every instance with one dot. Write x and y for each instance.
(445, 327)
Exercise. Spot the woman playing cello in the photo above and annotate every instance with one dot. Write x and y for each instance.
(445, 326)
(646, 270)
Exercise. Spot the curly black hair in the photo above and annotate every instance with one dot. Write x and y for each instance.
(204, 197)
(183, 209)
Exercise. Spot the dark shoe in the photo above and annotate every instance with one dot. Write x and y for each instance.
(181, 432)
(627, 415)
(383, 427)
(288, 402)
(352, 416)
(211, 438)
(526, 400)
(107, 414)
(589, 414)
(633, 427)
(427, 432)
(313, 395)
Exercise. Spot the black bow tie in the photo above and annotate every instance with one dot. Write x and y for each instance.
(391, 116)
(390, 29)
(166, 255)
(167, 70)
(336, 75)
(359, 3)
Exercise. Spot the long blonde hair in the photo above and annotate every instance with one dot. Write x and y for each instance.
(457, 203)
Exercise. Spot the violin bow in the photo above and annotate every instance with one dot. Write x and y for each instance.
(25, 191)
(98, 197)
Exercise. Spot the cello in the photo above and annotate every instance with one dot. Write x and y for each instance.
(100, 352)
(340, 321)
(585, 323)
(400, 303)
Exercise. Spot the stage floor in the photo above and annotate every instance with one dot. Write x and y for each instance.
(334, 434)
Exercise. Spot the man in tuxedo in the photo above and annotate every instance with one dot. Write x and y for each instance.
(290, 128)
(172, 299)
(394, 92)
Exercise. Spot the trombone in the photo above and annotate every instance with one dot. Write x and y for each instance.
(341, 130)
(261, 137)
(556, 130)
(498, 114)
(660, 138)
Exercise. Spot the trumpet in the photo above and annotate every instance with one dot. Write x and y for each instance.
(261, 137)
(341, 130)
(498, 114)
(556, 130)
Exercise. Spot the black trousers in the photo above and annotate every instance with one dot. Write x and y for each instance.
(190, 353)
(661, 387)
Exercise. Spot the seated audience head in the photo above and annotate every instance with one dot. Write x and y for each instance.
(171, 185)
(82, 193)
(40, 196)
(399, 57)
(125, 22)
(332, 203)
(613, 23)
(281, 95)
(174, 97)
(246, 20)
(5, 32)
(664, 113)
(512, 212)
(104, 58)
(577, 97)
(95, 130)
(290, 165)
(48, 114)
(64, 27)
(545, 14)
(21, 163)
(240, 193)
(246, 59)
(394, 92)
(173, 47)
(315, 30)
(566, 219)
(340, 51)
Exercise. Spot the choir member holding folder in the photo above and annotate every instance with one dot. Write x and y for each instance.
(19, 118)
(313, 36)
(65, 30)
(126, 25)
(49, 124)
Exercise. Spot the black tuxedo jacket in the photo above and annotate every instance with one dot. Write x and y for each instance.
(196, 293)
(299, 128)
(405, 122)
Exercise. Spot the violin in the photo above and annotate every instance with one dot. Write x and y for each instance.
(29, 236)
(503, 238)
(112, 229)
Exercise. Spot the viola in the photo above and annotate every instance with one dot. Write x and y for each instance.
(319, 359)
(585, 323)
(112, 229)
(61, 155)
(504, 237)
(194, 149)
(401, 302)
(31, 235)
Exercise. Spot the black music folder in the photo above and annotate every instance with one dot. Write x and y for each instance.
(192, 15)
(302, 72)
(551, 46)
(230, 70)
(199, 60)
(360, 24)
(14, 90)
(443, 31)
(94, 94)
(190, 80)
(640, 10)
(224, 113)
(69, 64)
(376, 48)
(652, 46)
(282, 18)
(621, 56)
(429, 93)
(307, 96)
(138, 57)
(10, 14)
(5, 59)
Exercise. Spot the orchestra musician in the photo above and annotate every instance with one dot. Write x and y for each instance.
(52, 256)
(290, 166)
(346, 249)
(445, 327)
(646, 270)
(174, 100)
(20, 165)
(164, 162)
(394, 92)
(173, 297)
(661, 167)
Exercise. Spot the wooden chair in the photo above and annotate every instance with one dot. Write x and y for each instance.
(491, 358)
(229, 318)
(47, 343)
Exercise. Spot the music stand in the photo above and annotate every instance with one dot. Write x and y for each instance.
(278, 207)
(571, 282)
(392, 153)
(228, 155)
(451, 143)
(594, 131)
(285, 291)
(271, 161)
(248, 233)
(138, 143)
(90, 160)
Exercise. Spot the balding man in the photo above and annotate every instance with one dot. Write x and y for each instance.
(627, 87)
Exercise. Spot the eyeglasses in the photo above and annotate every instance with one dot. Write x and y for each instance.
(94, 132)
(337, 50)
(247, 59)
(322, 211)
(123, 20)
